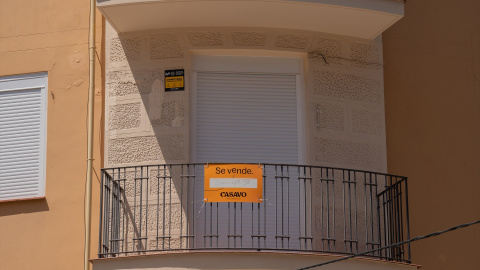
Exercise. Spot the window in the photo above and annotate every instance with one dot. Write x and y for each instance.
(23, 109)
(247, 109)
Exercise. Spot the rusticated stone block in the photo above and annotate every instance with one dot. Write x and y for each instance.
(123, 49)
(327, 51)
(172, 114)
(249, 39)
(132, 188)
(292, 41)
(169, 216)
(365, 55)
(146, 148)
(172, 218)
(330, 47)
(166, 244)
(347, 86)
(165, 46)
(365, 155)
(138, 246)
(135, 219)
(329, 116)
(123, 83)
(164, 182)
(367, 122)
(205, 38)
(124, 116)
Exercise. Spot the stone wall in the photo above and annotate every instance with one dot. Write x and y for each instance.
(343, 104)
(343, 96)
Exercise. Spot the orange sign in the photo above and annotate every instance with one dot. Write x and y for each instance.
(233, 183)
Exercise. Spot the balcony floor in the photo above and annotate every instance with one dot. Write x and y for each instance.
(242, 260)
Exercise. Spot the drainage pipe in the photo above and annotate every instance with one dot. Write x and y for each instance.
(91, 98)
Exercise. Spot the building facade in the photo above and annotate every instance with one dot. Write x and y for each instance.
(298, 88)
(431, 63)
(47, 41)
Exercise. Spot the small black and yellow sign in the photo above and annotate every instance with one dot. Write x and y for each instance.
(174, 80)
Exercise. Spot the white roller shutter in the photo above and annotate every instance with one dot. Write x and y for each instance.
(246, 118)
(22, 136)
(247, 111)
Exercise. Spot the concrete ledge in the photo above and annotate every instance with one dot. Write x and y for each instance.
(242, 260)
(354, 18)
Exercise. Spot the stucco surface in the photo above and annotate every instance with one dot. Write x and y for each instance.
(48, 36)
(432, 96)
(347, 86)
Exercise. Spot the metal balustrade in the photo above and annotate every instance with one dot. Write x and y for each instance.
(160, 208)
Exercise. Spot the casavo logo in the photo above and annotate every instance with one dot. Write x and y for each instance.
(233, 194)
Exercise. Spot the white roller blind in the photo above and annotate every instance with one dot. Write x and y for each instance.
(246, 110)
(243, 117)
(21, 140)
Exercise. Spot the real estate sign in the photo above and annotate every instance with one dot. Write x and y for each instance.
(233, 183)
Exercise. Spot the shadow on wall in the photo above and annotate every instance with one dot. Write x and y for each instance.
(147, 126)
(165, 111)
(23, 207)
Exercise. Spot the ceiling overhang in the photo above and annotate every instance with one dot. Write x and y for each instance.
(354, 18)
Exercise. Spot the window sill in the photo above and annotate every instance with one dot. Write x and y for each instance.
(23, 199)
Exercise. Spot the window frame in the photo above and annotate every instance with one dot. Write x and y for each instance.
(251, 64)
(26, 82)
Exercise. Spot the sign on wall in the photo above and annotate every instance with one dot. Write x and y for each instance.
(174, 80)
(233, 183)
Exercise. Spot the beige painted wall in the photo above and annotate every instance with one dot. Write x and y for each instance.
(432, 97)
(52, 36)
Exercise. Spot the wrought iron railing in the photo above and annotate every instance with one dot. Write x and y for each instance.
(160, 208)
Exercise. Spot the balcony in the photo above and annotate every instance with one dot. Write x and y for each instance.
(354, 18)
(158, 209)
